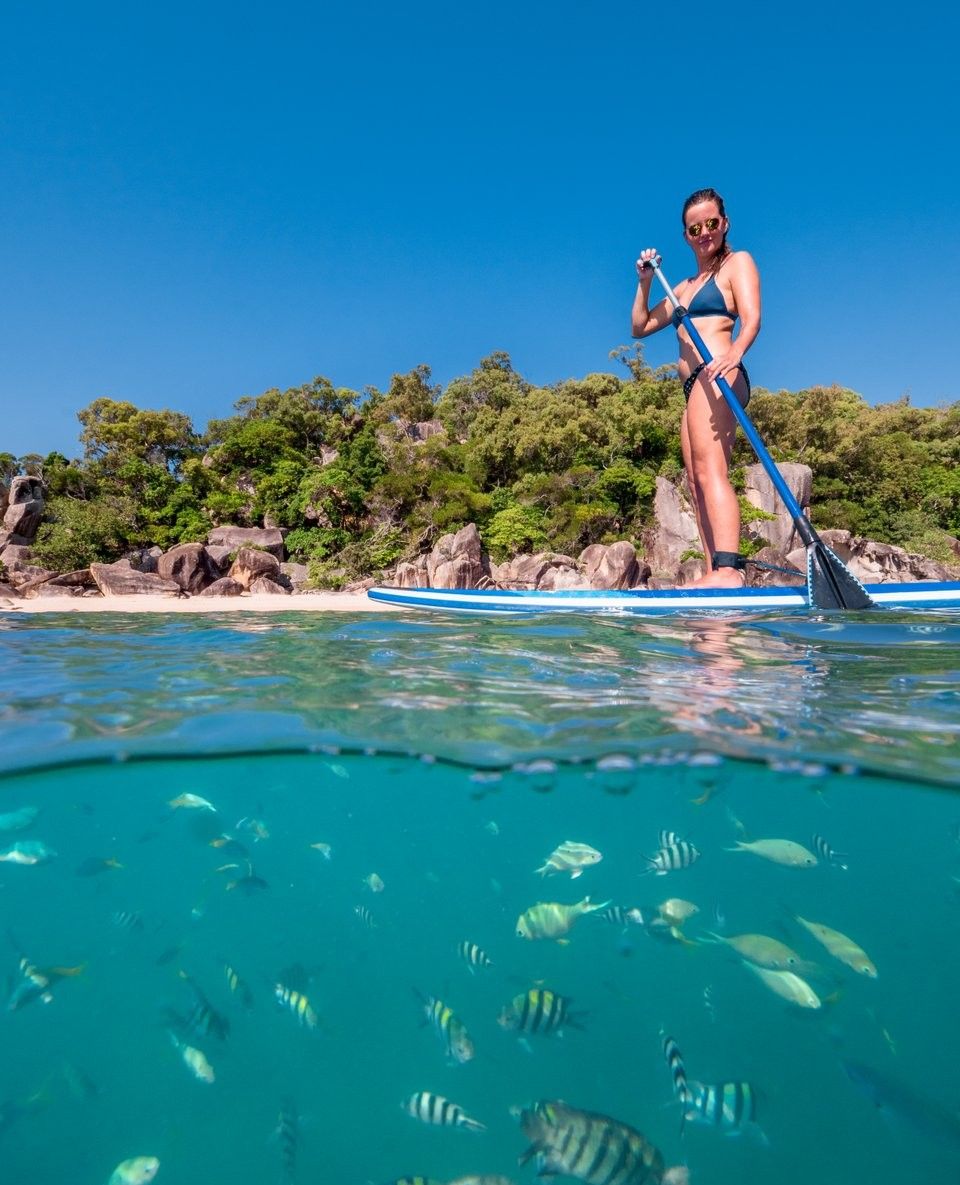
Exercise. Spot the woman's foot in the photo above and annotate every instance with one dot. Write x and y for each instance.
(720, 578)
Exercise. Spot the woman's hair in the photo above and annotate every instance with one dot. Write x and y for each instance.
(708, 195)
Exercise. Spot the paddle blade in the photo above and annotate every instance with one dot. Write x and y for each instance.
(831, 584)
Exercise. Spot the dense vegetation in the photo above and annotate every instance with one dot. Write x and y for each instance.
(555, 467)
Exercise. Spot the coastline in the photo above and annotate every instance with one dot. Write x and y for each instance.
(314, 602)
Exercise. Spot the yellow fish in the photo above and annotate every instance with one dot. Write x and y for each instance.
(676, 911)
(374, 883)
(841, 947)
(551, 919)
(191, 802)
(779, 851)
(325, 850)
(759, 949)
(139, 1170)
(194, 1060)
(786, 985)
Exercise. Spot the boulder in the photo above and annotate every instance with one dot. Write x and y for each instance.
(144, 559)
(73, 582)
(263, 584)
(121, 580)
(20, 574)
(675, 531)
(762, 577)
(458, 561)
(224, 587)
(295, 575)
(412, 575)
(780, 533)
(220, 556)
(250, 564)
(615, 566)
(25, 507)
(267, 538)
(15, 553)
(877, 563)
(47, 588)
(187, 566)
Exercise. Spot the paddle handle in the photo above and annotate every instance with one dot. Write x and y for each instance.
(804, 528)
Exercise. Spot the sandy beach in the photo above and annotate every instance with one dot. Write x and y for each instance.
(314, 602)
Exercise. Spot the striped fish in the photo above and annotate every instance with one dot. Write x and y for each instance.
(203, 1019)
(287, 1133)
(440, 1112)
(539, 1011)
(297, 1003)
(729, 1106)
(417, 1180)
(620, 915)
(593, 1148)
(672, 857)
(473, 956)
(666, 839)
(238, 986)
(827, 854)
(674, 1060)
(449, 1028)
(365, 916)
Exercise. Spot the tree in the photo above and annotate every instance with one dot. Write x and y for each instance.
(116, 431)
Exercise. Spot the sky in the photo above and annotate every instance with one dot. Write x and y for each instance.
(203, 201)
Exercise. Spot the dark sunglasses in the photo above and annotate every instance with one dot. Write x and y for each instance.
(697, 228)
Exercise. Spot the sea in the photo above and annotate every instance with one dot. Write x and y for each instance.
(273, 887)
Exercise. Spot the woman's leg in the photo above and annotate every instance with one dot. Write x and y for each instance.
(711, 430)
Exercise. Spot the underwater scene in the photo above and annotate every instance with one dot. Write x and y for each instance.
(364, 900)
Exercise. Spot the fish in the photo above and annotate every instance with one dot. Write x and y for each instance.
(296, 1003)
(94, 865)
(552, 919)
(35, 983)
(709, 1004)
(81, 1086)
(758, 949)
(227, 845)
(325, 849)
(238, 986)
(678, 1072)
(127, 919)
(676, 911)
(841, 947)
(190, 802)
(826, 853)
(28, 852)
(195, 1060)
(539, 1010)
(139, 1170)
(374, 883)
(592, 1147)
(415, 1180)
(482, 1179)
(19, 820)
(779, 851)
(438, 1111)
(570, 857)
(256, 827)
(666, 839)
(925, 1115)
(673, 857)
(473, 956)
(365, 916)
(620, 915)
(787, 985)
(248, 883)
(450, 1029)
(492, 827)
(203, 1020)
(287, 1135)
(730, 1107)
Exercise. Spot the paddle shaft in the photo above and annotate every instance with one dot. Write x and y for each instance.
(801, 522)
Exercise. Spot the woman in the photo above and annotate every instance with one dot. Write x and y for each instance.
(726, 287)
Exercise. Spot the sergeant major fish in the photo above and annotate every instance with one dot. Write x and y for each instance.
(570, 857)
(826, 853)
(730, 1107)
(438, 1111)
(673, 857)
(539, 1010)
(473, 955)
(449, 1028)
(296, 1003)
(552, 919)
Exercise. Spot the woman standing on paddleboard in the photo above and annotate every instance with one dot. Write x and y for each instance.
(726, 288)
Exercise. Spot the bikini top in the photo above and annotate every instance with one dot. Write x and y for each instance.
(707, 302)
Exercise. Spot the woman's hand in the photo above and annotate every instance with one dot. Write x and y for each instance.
(724, 364)
(648, 256)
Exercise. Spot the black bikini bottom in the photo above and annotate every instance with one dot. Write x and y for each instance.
(688, 384)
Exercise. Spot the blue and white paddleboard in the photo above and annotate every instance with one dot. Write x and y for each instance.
(919, 595)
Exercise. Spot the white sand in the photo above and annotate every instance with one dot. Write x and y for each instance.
(315, 602)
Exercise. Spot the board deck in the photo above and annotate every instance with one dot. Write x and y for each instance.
(917, 595)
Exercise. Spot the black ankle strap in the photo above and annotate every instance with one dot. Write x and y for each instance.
(729, 559)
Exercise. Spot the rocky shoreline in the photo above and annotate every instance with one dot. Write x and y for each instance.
(249, 563)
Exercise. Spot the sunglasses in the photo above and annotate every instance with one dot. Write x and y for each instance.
(696, 229)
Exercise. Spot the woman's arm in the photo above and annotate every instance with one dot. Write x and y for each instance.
(644, 321)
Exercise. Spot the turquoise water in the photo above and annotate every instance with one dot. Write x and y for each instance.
(451, 757)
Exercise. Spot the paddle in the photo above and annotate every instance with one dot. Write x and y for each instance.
(830, 583)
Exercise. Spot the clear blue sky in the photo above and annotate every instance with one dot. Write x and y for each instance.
(201, 201)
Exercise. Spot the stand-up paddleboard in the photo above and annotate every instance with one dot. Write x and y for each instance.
(920, 595)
